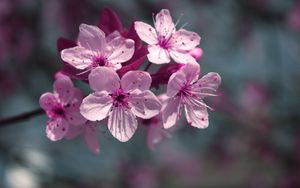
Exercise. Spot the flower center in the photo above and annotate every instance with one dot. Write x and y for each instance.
(163, 42)
(57, 111)
(99, 61)
(185, 90)
(120, 98)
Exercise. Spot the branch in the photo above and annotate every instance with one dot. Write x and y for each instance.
(21, 117)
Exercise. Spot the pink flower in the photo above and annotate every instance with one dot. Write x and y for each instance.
(165, 42)
(94, 49)
(185, 89)
(120, 99)
(62, 108)
(88, 131)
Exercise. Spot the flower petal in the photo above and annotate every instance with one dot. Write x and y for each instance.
(146, 32)
(56, 129)
(144, 104)
(176, 82)
(181, 57)
(164, 23)
(185, 40)
(91, 137)
(120, 50)
(158, 55)
(91, 38)
(122, 123)
(78, 57)
(196, 115)
(47, 101)
(191, 72)
(104, 78)
(207, 85)
(96, 106)
(73, 131)
(136, 80)
(171, 112)
(64, 87)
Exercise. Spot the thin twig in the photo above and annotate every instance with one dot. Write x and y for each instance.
(148, 66)
(20, 117)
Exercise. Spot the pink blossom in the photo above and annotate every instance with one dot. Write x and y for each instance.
(197, 53)
(88, 131)
(165, 42)
(62, 108)
(94, 49)
(185, 89)
(121, 100)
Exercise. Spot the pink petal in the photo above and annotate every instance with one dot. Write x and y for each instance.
(75, 118)
(144, 104)
(185, 40)
(112, 36)
(78, 57)
(208, 84)
(176, 82)
(56, 129)
(181, 57)
(146, 32)
(64, 87)
(91, 38)
(121, 50)
(47, 101)
(104, 78)
(164, 23)
(196, 115)
(91, 137)
(158, 55)
(136, 80)
(122, 123)
(73, 131)
(156, 134)
(197, 53)
(191, 72)
(96, 106)
(171, 112)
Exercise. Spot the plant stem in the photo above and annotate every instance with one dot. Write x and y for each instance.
(20, 117)
(148, 66)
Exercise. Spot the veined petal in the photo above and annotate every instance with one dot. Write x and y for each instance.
(78, 57)
(91, 38)
(75, 118)
(176, 82)
(171, 112)
(120, 50)
(185, 40)
(122, 123)
(136, 80)
(191, 72)
(144, 104)
(146, 32)
(96, 106)
(158, 55)
(91, 137)
(64, 87)
(104, 78)
(196, 115)
(48, 101)
(164, 23)
(56, 129)
(181, 57)
(207, 85)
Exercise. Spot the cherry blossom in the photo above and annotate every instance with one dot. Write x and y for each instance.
(165, 42)
(62, 108)
(185, 89)
(121, 100)
(95, 49)
(88, 131)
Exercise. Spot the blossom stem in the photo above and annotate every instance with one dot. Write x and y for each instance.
(20, 117)
(148, 66)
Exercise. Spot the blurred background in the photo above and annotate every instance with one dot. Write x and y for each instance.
(253, 139)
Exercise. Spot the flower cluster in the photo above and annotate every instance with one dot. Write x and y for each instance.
(108, 57)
